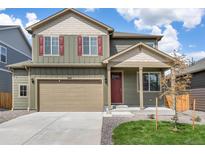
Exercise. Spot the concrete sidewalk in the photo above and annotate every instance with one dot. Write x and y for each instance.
(53, 128)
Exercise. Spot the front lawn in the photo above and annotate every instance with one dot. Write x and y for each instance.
(143, 132)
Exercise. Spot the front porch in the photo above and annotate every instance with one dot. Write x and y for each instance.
(133, 78)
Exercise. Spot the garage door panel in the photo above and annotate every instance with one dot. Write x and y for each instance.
(71, 96)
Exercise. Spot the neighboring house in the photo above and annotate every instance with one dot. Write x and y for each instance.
(14, 48)
(81, 64)
(198, 84)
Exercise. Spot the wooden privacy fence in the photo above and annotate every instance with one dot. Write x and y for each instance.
(182, 103)
(6, 100)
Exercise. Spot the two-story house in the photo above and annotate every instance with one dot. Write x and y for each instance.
(14, 48)
(81, 64)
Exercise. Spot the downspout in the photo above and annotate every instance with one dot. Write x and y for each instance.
(12, 80)
(29, 79)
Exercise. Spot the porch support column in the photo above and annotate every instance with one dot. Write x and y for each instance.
(173, 85)
(109, 86)
(141, 88)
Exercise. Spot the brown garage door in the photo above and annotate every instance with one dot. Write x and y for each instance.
(72, 96)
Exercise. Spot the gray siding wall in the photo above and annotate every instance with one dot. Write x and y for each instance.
(19, 77)
(5, 81)
(199, 95)
(70, 52)
(198, 80)
(12, 57)
(131, 97)
(118, 45)
(14, 38)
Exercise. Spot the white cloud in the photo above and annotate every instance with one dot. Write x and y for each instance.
(147, 18)
(90, 9)
(170, 41)
(156, 20)
(156, 30)
(196, 55)
(2, 9)
(32, 18)
(9, 20)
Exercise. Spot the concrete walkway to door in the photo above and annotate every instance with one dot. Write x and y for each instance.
(45, 128)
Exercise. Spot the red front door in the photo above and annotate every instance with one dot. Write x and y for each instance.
(116, 87)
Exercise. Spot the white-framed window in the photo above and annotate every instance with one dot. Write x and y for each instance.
(23, 90)
(151, 44)
(90, 45)
(51, 46)
(151, 81)
(3, 54)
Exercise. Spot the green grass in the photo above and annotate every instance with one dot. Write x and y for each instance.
(143, 133)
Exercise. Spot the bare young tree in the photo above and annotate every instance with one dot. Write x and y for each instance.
(176, 82)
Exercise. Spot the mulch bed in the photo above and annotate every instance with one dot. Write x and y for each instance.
(109, 123)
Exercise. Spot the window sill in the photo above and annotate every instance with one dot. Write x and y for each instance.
(22, 96)
(90, 55)
(51, 55)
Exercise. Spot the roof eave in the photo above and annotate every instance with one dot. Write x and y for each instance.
(158, 38)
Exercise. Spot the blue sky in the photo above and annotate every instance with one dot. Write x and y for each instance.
(183, 29)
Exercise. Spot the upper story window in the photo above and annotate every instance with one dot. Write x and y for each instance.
(3, 54)
(90, 46)
(151, 44)
(51, 45)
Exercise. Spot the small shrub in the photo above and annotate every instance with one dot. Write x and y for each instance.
(151, 116)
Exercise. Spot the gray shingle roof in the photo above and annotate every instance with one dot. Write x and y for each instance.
(134, 35)
(199, 66)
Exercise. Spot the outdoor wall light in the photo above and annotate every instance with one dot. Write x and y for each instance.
(32, 81)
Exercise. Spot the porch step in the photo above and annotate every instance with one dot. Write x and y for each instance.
(122, 114)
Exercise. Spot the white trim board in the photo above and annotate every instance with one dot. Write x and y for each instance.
(15, 49)
(4, 70)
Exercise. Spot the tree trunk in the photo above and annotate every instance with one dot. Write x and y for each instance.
(175, 112)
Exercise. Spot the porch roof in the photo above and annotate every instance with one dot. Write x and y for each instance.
(140, 45)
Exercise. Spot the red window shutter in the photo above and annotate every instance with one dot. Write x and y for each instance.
(61, 45)
(100, 48)
(41, 45)
(79, 45)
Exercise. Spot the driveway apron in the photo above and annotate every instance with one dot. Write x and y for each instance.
(47, 128)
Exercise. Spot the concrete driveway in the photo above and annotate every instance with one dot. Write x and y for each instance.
(53, 128)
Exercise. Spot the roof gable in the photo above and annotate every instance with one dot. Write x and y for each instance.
(130, 54)
(65, 12)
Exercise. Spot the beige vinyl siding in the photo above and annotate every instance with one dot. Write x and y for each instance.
(118, 45)
(19, 77)
(59, 73)
(70, 24)
(70, 52)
